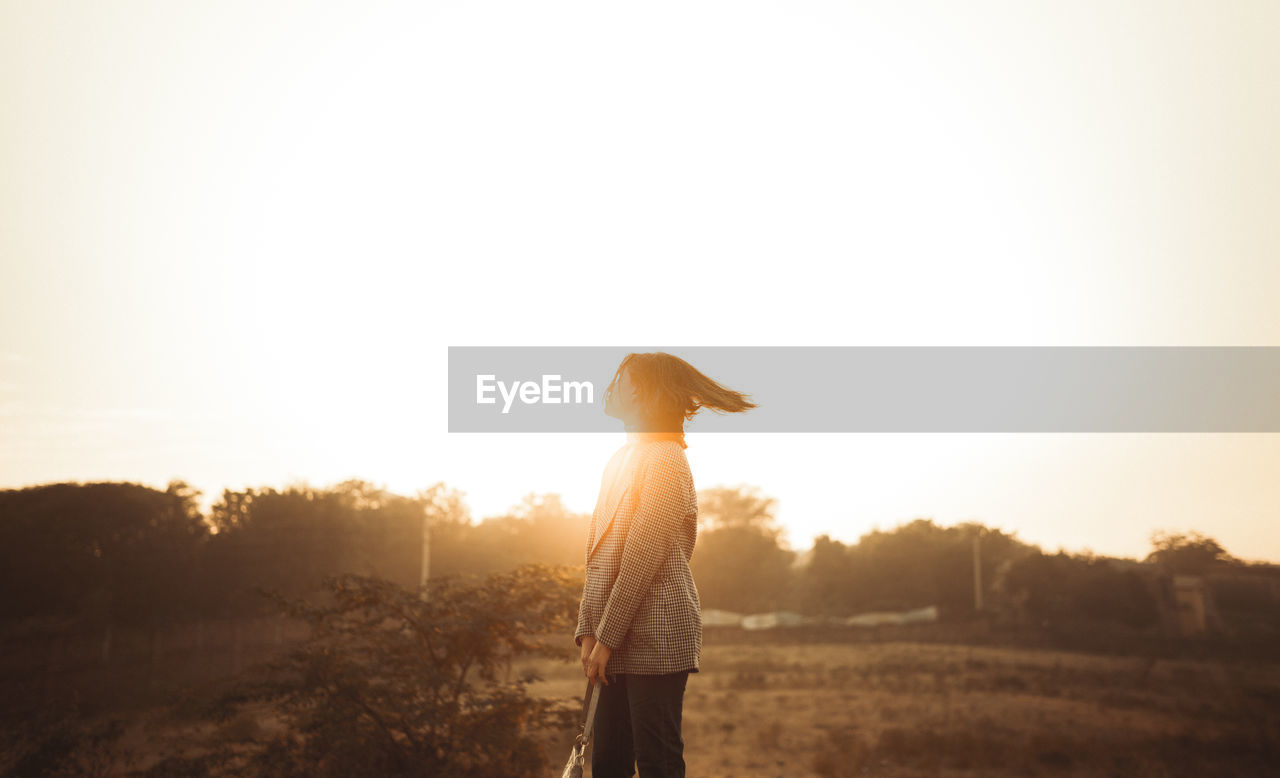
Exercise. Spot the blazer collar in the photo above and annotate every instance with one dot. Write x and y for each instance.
(619, 487)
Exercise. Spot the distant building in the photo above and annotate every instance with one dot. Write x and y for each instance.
(1190, 598)
(718, 618)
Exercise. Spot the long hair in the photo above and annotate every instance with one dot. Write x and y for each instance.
(670, 391)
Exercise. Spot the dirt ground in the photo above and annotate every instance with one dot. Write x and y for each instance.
(908, 709)
(905, 708)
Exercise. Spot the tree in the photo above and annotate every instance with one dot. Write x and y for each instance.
(739, 562)
(1080, 589)
(1188, 553)
(722, 507)
(394, 683)
(539, 529)
(114, 552)
(289, 540)
(826, 583)
(913, 565)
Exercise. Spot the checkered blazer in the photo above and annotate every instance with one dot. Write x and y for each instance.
(639, 598)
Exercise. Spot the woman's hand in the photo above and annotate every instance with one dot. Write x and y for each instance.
(588, 643)
(597, 660)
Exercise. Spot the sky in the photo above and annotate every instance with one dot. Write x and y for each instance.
(237, 238)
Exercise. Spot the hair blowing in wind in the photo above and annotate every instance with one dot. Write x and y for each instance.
(670, 391)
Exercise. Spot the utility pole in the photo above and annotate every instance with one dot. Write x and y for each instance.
(425, 566)
(977, 570)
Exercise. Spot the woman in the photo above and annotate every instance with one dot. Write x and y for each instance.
(640, 620)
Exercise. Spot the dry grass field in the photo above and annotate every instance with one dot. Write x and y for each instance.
(845, 704)
(920, 709)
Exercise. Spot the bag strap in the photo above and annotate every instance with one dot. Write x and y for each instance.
(589, 711)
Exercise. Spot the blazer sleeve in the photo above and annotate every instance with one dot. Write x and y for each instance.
(583, 629)
(660, 507)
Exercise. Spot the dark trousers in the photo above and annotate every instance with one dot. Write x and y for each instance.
(638, 724)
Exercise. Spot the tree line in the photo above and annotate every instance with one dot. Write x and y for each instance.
(397, 679)
(131, 555)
